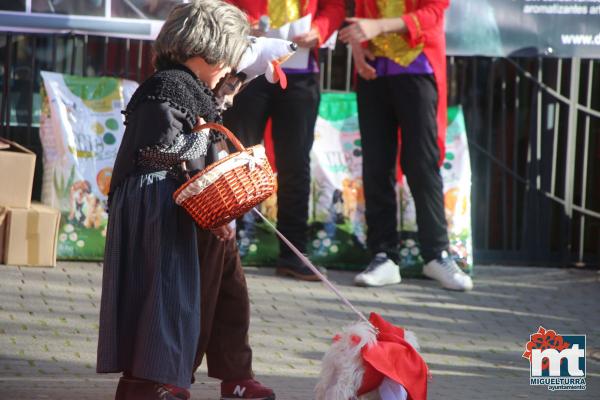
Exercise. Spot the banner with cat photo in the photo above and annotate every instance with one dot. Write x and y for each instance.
(81, 128)
(337, 204)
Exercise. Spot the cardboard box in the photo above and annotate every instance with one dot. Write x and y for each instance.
(17, 165)
(31, 236)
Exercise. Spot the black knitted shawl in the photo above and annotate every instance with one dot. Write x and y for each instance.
(184, 93)
(179, 87)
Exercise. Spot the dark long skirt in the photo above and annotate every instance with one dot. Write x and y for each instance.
(150, 308)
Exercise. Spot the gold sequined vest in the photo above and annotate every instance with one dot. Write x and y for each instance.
(393, 45)
(284, 11)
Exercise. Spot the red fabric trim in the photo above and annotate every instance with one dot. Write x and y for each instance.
(269, 146)
(372, 379)
(328, 16)
(414, 32)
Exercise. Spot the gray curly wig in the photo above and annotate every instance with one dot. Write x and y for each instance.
(212, 29)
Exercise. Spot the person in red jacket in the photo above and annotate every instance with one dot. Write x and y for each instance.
(293, 113)
(399, 51)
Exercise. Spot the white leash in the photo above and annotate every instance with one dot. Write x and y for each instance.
(314, 269)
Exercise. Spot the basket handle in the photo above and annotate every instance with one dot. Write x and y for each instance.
(211, 125)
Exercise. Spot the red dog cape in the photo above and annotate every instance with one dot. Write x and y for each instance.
(378, 360)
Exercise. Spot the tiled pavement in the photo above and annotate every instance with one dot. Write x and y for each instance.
(472, 341)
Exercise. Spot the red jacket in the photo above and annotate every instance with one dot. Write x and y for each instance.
(425, 22)
(327, 15)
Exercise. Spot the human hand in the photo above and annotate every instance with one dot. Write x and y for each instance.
(360, 30)
(223, 232)
(309, 39)
(360, 56)
(226, 89)
(199, 122)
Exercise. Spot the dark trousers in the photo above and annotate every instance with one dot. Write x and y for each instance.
(408, 102)
(294, 113)
(225, 310)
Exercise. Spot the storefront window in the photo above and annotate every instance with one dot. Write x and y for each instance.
(12, 5)
(28, 54)
(143, 9)
(70, 7)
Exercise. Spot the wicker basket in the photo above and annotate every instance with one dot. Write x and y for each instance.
(228, 188)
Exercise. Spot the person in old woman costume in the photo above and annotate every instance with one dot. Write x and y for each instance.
(150, 317)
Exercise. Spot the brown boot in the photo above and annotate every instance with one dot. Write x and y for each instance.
(293, 267)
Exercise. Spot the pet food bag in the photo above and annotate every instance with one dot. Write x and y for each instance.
(81, 129)
(337, 201)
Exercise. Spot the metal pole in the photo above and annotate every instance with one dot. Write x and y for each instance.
(572, 136)
(556, 108)
(54, 50)
(107, 8)
(322, 76)
(33, 78)
(586, 144)
(127, 51)
(504, 155)
(73, 53)
(329, 62)
(515, 151)
(84, 62)
(538, 138)
(5, 118)
(348, 67)
(489, 135)
(105, 56)
(140, 49)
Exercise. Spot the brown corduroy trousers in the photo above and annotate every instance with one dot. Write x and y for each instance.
(225, 310)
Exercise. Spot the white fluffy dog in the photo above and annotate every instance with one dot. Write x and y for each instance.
(342, 367)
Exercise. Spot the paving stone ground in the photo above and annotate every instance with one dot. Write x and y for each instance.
(472, 341)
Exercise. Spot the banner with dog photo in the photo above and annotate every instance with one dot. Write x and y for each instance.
(81, 129)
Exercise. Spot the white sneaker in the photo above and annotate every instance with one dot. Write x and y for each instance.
(381, 271)
(448, 274)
